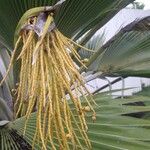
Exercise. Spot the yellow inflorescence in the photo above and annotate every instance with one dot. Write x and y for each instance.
(46, 77)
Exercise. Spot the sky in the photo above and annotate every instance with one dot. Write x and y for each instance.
(146, 2)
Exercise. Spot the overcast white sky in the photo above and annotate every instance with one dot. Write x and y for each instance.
(146, 2)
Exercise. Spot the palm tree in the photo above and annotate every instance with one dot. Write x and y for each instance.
(126, 54)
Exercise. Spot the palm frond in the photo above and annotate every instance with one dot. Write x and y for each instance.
(72, 17)
(126, 54)
(113, 129)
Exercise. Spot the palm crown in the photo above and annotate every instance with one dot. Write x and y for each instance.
(111, 122)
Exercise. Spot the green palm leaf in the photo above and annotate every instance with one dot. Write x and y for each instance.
(126, 54)
(112, 130)
(72, 17)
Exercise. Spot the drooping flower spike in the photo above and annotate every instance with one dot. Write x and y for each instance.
(47, 75)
